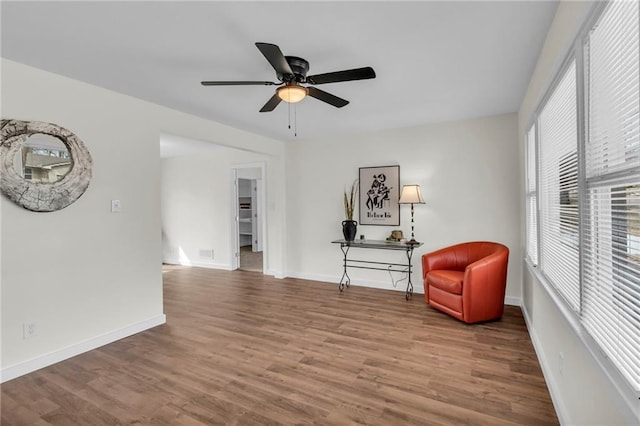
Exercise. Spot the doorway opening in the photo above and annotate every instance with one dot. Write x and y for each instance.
(249, 218)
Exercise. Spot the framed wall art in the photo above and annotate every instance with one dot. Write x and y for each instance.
(379, 195)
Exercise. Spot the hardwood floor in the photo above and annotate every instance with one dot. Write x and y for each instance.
(242, 348)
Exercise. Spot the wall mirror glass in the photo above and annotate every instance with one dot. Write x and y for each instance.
(44, 167)
(43, 159)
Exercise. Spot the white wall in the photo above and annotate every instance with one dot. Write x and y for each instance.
(582, 392)
(91, 276)
(249, 173)
(469, 174)
(196, 206)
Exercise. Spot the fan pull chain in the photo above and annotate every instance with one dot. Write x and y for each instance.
(295, 120)
(289, 114)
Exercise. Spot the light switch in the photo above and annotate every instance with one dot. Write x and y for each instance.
(116, 207)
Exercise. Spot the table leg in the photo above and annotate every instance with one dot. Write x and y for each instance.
(345, 280)
(409, 293)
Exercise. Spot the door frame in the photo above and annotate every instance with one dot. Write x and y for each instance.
(235, 214)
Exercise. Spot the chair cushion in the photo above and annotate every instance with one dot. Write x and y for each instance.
(449, 281)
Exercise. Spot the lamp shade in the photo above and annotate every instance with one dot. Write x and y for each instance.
(411, 195)
(292, 93)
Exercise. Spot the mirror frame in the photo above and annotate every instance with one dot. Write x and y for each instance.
(35, 196)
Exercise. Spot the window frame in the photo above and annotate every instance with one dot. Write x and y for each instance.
(531, 194)
(561, 291)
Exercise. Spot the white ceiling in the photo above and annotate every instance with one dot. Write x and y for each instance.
(435, 61)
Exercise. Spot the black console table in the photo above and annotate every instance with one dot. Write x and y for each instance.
(368, 264)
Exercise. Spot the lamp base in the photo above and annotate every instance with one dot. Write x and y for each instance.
(413, 241)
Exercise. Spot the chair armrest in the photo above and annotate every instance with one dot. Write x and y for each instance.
(443, 259)
(490, 269)
(484, 286)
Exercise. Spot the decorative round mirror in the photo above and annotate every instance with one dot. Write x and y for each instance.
(44, 167)
(43, 158)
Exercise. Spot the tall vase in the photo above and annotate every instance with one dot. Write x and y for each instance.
(349, 229)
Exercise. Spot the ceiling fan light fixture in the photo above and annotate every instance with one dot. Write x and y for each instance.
(292, 93)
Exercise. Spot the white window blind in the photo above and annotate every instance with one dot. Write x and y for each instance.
(532, 214)
(558, 191)
(611, 288)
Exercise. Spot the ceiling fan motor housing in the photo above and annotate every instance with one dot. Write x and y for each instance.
(299, 67)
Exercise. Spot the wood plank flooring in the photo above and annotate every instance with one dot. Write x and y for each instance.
(242, 348)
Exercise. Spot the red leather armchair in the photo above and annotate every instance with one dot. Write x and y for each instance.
(467, 281)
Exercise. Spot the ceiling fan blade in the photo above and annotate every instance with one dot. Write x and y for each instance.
(275, 57)
(238, 83)
(326, 97)
(346, 75)
(271, 103)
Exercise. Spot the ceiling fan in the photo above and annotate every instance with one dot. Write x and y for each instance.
(291, 72)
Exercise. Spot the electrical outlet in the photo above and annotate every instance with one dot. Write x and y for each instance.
(116, 206)
(29, 330)
(561, 363)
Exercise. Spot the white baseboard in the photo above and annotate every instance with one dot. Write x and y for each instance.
(384, 285)
(275, 274)
(513, 301)
(333, 280)
(198, 263)
(51, 358)
(213, 265)
(546, 370)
